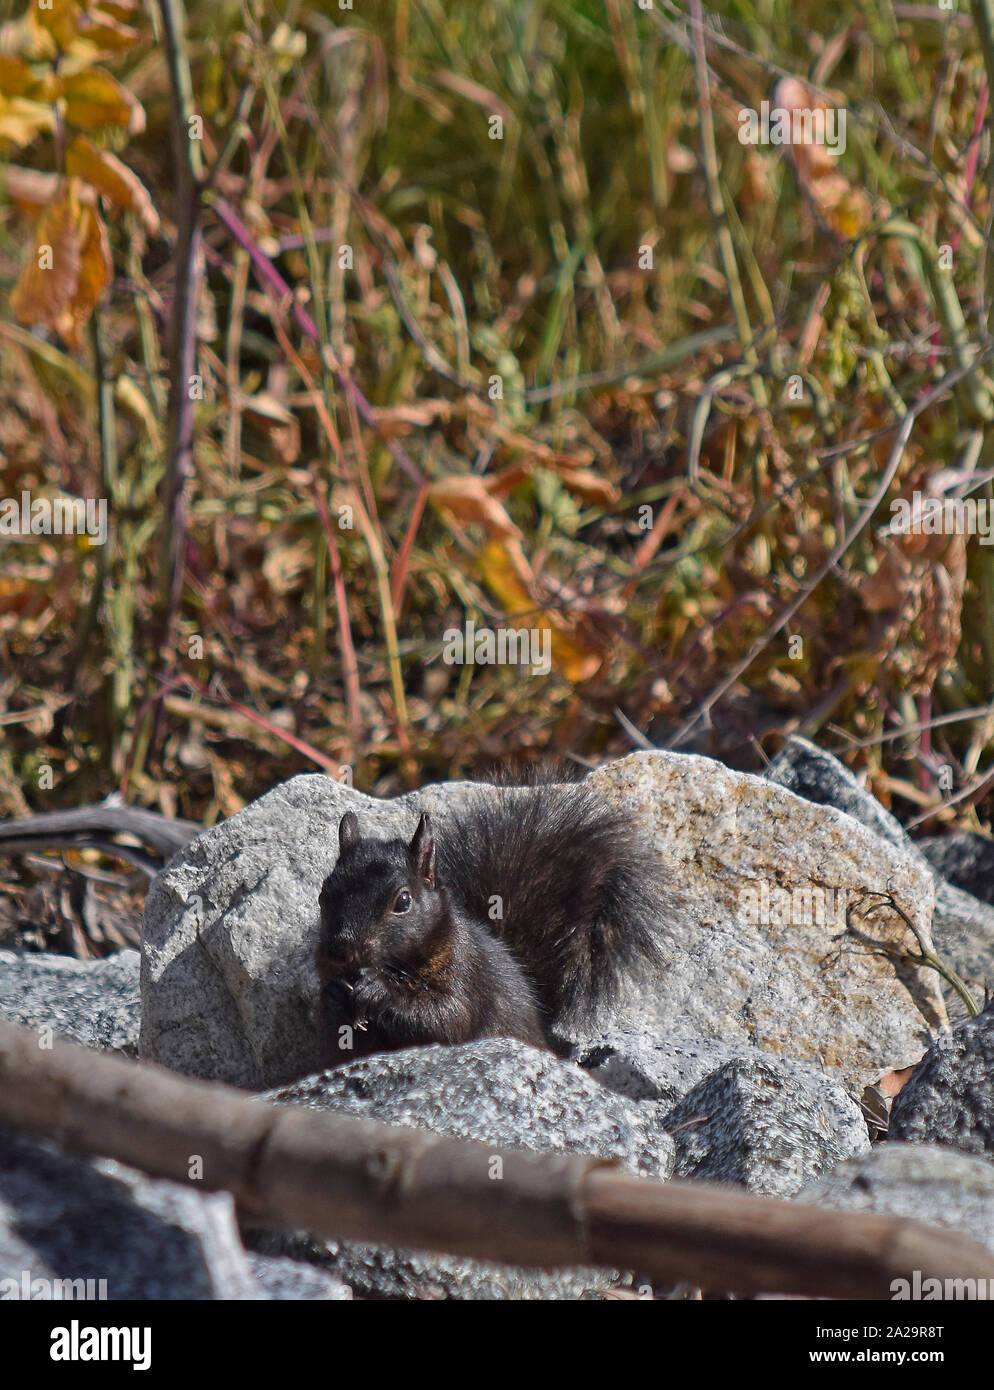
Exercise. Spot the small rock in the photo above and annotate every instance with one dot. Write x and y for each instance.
(664, 1069)
(765, 1126)
(949, 1098)
(95, 1003)
(924, 1181)
(964, 860)
(496, 1091)
(80, 1219)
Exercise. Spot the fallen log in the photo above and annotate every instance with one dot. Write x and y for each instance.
(362, 1180)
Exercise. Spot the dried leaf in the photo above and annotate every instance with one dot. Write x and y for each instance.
(21, 119)
(50, 275)
(468, 498)
(509, 577)
(95, 271)
(838, 202)
(67, 271)
(93, 98)
(894, 1082)
(16, 77)
(59, 20)
(114, 180)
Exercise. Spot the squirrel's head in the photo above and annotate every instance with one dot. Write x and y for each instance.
(381, 907)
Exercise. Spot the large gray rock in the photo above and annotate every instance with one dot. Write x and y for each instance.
(496, 1091)
(739, 848)
(96, 1003)
(229, 984)
(962, 925)
(765, 1126)
(68, 1218)
(949, 1098)
(923, 1181)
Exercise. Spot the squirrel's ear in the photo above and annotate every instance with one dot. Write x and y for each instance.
(423, 849)
(348, 831)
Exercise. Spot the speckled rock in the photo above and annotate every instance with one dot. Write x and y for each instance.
(229, 986)
(962, 924)
(923, 1181)
(69, 1218)
(965, 860)
(809, 771)
(753, 963)
(95, 1003)
(666, 1069)
(765, 1126)
(949, 1098)
(499, 1092)
(293, 1280)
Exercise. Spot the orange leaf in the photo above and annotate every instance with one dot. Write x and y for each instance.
(109, 176)
(48, 281)
(95, 270)
(108, 33)
(894, 1082)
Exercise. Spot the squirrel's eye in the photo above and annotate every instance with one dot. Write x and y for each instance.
(402, 902)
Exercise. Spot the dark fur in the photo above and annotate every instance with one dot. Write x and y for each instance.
(581, 905)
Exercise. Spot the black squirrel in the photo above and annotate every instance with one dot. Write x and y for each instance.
(515, 916)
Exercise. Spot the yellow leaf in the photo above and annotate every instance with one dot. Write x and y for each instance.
(93, 98)
(131, 398)
(20, 119)
(509, 578)
(59, 20)
(16, 77)
(105, 172)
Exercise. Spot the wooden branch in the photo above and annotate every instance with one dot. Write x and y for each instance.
(362, 1180)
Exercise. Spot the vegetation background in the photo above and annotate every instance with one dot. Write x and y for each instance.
(482, 310)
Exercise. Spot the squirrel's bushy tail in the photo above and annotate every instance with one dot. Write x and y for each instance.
(566, 882)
